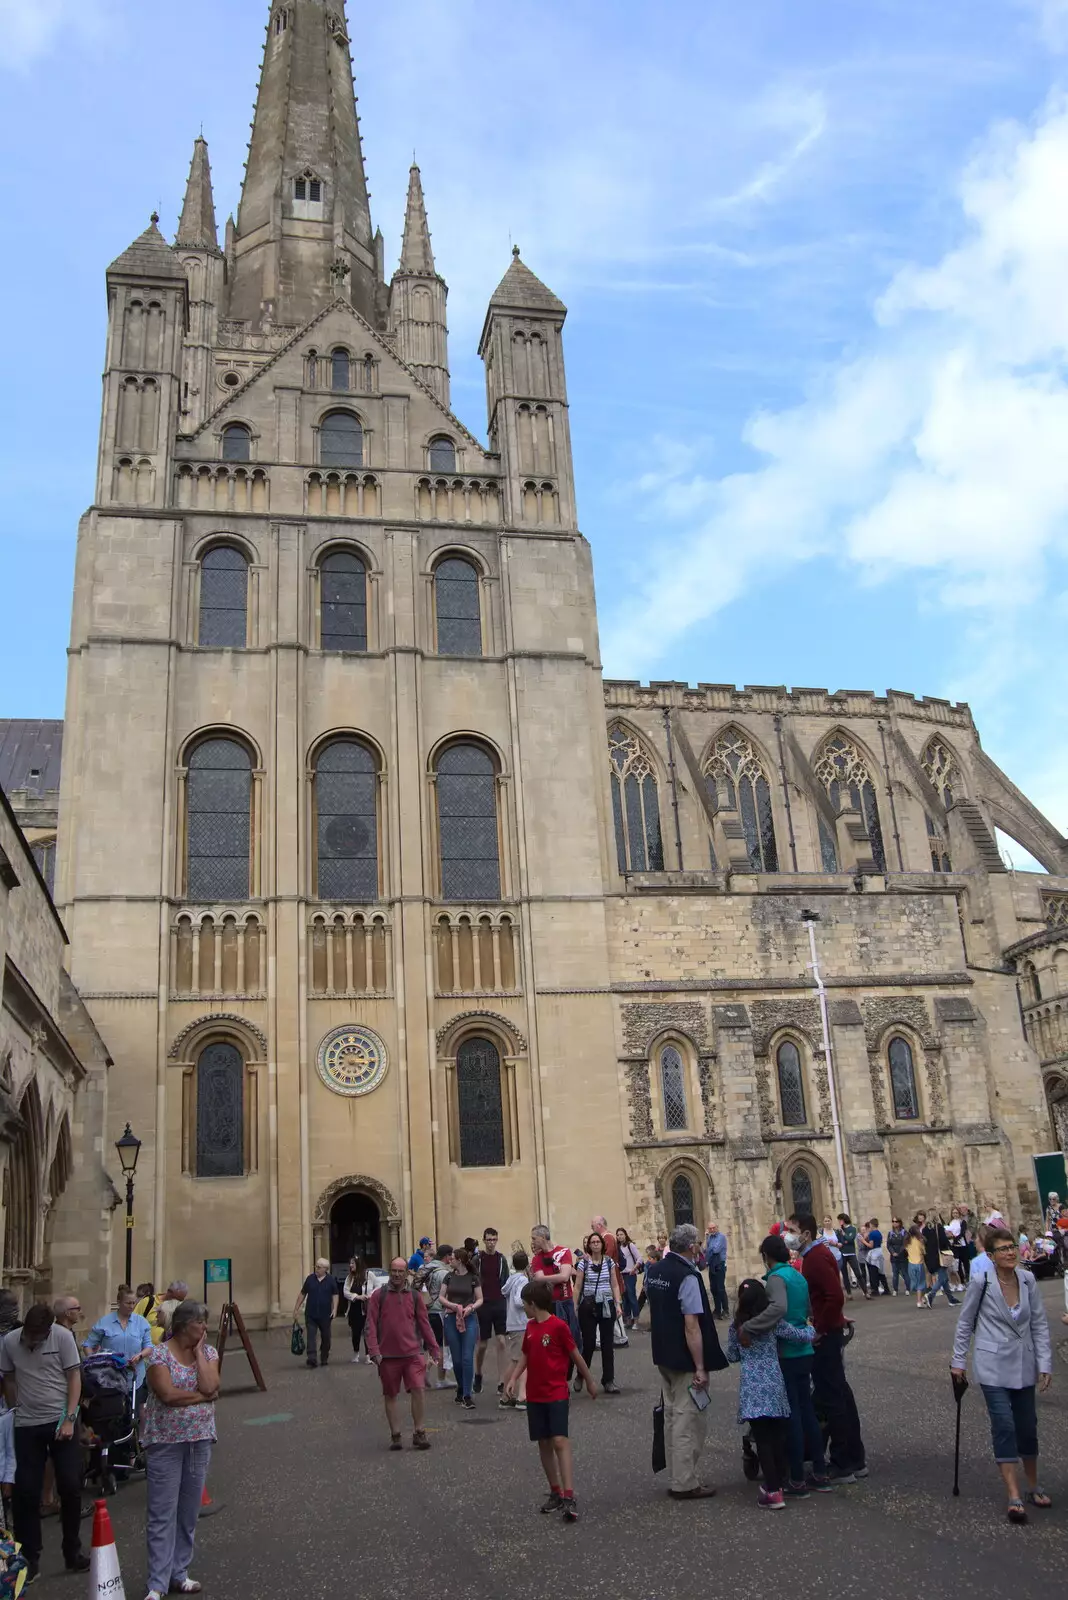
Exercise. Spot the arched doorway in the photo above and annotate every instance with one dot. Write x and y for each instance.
(355, 1230)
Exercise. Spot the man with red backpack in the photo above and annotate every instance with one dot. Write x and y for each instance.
(398, 1331)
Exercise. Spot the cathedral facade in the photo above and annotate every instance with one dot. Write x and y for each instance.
(396, 917)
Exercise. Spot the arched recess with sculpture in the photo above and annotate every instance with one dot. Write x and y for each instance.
(356, 1216)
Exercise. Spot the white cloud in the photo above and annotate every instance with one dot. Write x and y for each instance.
(30, 28)
(936, 448)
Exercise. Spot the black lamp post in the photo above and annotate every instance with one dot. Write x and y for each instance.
(129, 1148)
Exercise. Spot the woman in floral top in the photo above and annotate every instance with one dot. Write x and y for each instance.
(178, 1432)
(762, 1398)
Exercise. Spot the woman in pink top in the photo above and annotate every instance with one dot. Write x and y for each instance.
(178, 1432)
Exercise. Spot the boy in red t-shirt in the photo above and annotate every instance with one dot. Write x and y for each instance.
(548, 1350)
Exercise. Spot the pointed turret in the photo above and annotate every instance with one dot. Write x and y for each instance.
(304, 223)
(417, 298)
(196, 230)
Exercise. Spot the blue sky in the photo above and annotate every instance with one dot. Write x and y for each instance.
(816, 260)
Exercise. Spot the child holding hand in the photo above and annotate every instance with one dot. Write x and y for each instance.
(548, 1350)
(762, 1398)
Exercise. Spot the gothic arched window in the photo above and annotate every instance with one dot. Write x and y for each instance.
(340, 370)
(841, 769)
(342, 601)
(218, 821)
(941, 767)
(801, 1191)
(456, 607)
(223, 617)
(936, 840)
(442, 455)
(635, 804)
(341, 440)
(346, 822)
(480, 1104)
(466, 785)
(682, 1201)
(673, 1089)
(236, 442)
(903, 1080)
(220, 1092)
(791, 1085)
(1032, 986)
(734, 770)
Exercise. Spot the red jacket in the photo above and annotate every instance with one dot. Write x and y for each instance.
(820, 1272)
(405, 1326)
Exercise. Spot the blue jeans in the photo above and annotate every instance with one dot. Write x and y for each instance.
(565, 1310)
(717, 1282)
(941, 1281)
(900, 1268)
(1013, 1423)
(462, 1350)
(804, 1436)
(630, 1297)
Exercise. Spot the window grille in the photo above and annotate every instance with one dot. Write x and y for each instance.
(341, 440)
(903, 1081)
(456, 605)
(236, 442)
(791, 1085)
(346, 811)
(343, 602)
(480, 1107)
(801, 1191)
(223, 598)
(467, 824)
(635, 804)
(220, 1088)
(442, 455)
(682, 1206)
(219, 798)
(340, 370)
(673, 1089)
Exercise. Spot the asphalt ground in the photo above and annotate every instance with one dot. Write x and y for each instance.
(314, 1504)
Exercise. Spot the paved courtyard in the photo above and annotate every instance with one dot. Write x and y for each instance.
(315, 1505)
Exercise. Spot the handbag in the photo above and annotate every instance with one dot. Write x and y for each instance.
(659, 1444)
(946, 1258)
(297, 1344)
(619, 1335)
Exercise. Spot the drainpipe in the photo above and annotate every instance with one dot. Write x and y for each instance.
(674, 784)
(810, 919)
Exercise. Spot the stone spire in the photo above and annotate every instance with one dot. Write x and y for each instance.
(416, 253)
(196, 230)
(303, 231)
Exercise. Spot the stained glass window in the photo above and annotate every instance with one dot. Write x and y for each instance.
(442, 455)
(220, 1090)
(223, 598)
(218, 806)
(635, 804)
(801, 1194)
(343, 602)
(456, 605)
(341, 440)
(236, 442)
(843, 773)
(791, 1085)
(903, 1080)
(467, 824)
(682, 1206)
(734, 769)
(346, 813)
(480, 1107)
(339, 371)
(673, 1089)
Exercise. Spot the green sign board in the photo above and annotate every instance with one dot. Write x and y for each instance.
(217, 1271)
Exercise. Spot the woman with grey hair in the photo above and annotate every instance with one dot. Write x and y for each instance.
(178, 1432)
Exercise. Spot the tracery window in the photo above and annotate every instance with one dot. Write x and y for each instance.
(791, 1085)
(442, 455)
(220, 1090)
(480, 1104)
(903, 1080)
(346, 822)
(223, 620)
(341, 440)
(801, 1191)
(635, 804)
(456, 607)
(841, 769)
(673, 1089)
(340, 370)
(682, 1202)
(342, 601)
(941, 767)
(218, 821)
(940, 861)
(466, 784)
(236, 442)
(734, 769)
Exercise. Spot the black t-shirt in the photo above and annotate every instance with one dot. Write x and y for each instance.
(321, 1293)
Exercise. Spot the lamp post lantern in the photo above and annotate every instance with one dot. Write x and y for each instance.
(129, 1148)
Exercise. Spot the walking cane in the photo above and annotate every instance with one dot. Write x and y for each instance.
(960, 1386)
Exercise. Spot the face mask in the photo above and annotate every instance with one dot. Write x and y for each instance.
(792, 1241)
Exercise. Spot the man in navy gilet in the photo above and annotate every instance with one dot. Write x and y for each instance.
(685, 1349)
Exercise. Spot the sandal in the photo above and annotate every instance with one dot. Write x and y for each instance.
(1016, 1512)
(1039, 1497)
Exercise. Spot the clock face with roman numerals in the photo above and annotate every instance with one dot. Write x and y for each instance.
(352, 1060)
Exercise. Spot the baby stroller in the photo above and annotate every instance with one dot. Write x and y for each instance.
(108, 1416)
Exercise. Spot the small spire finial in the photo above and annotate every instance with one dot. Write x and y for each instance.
(154, 218)
(515, 252)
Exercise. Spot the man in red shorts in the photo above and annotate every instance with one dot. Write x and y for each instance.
(398, 1330)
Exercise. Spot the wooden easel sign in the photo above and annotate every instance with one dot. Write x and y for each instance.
(219, 1269)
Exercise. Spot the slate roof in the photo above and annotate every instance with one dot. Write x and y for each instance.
(27, 745)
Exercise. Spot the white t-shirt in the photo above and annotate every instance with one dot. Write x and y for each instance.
(516, 1317)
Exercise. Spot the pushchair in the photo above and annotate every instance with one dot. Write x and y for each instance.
(108, 1416)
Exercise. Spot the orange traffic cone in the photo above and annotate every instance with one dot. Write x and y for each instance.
(208, 1506)
(105, 1579)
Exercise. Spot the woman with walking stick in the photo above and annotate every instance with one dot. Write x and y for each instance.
(1003, 1310)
